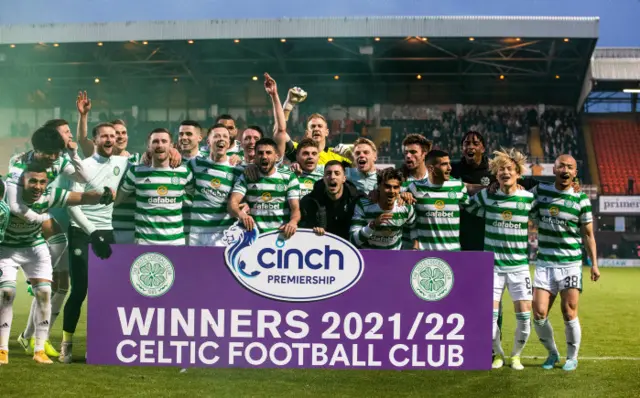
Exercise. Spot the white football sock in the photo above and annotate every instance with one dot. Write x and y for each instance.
(7, 294)
(43, 314)
(573, 332)
(31, 323)
(57, 247)
(497, 343)
(57, 301)
(545, 334)
(523, 330)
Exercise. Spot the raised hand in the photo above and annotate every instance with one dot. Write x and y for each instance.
(296, 95)
(270, 85)
(83, 103)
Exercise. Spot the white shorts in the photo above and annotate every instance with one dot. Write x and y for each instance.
(34, 261)
(518, 283)
(214, 239)
(124, 237)
(555, 280)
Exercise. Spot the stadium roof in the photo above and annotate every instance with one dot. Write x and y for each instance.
(615, 69)
(445, 60)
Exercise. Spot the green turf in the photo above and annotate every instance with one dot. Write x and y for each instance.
(610, 325)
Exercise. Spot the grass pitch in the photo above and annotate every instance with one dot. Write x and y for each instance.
(609, 313)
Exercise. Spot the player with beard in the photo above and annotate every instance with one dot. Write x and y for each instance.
(438, 206)
(415, 148)
(273, 199)
(564, 221)
(214, 180)
(331, 204)
(506, 215)
(310, 172)
(160, 191)
(379, 225)
(365, 174)
(317, 130)
(24, 246)
(90, 225)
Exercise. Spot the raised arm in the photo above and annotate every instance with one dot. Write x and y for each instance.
(83, 103)
(280, 134)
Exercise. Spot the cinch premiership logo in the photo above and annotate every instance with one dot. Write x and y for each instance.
(306, 267)
(152, 274)
(431, 279)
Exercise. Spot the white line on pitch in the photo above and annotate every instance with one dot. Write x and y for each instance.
(594, 358)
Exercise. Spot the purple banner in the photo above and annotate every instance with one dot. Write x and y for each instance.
(309, 302)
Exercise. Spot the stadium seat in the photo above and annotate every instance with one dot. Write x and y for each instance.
(616, 147)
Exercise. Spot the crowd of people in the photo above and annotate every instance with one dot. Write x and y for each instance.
(187, 189)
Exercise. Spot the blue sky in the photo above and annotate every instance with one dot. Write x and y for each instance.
(618, 24)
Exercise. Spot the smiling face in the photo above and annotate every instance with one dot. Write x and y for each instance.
(219, 142)
(249, 139)
(159, 146)
(507, 174)
(121, 137)
(189, 138)
(105, 141)
(365, 157)
(35, 184)
(389, 191)
(472, 148)
(565, 170)
(441, 169)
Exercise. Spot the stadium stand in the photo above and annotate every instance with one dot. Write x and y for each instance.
(617, 146)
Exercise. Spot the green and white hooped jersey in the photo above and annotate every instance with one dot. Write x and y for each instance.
(213, 185)
(159, 194)
(186, 205)
(307, 180)
(365, 182)
(5, 216)
(21, 233)
(18, 164)
(386, 237)
(124, 214)
(506, 227)
(438, 213)
(268, 198)
(560, 216)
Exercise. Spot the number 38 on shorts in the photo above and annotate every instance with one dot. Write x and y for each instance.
(556, 280)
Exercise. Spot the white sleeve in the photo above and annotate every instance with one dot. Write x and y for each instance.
(20, 209)
(76, 169)
(77, 215)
